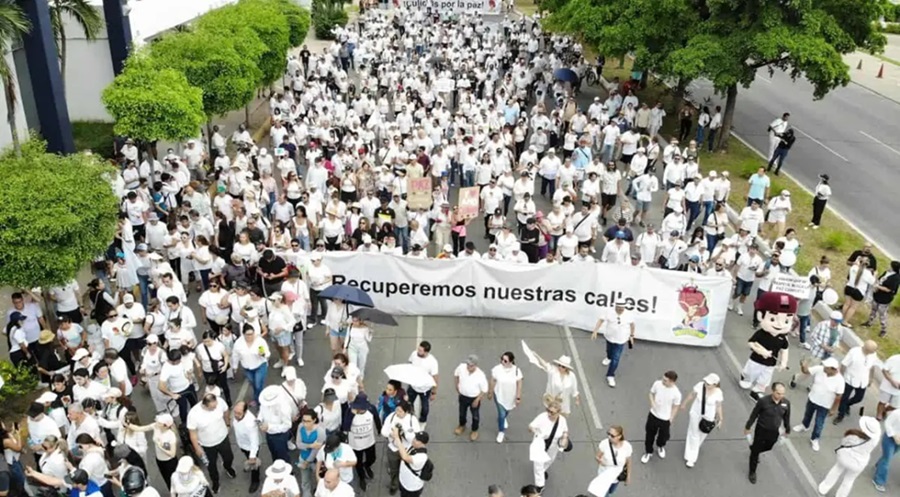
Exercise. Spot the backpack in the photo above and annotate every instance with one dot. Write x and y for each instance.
(427, 471)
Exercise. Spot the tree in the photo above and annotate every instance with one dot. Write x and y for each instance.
(327, 15)
(298, 21)
(56, 214)
(265, 19)
(728, 41)
(85, 14)
(13, 25)
(210, 62)
(151, 103)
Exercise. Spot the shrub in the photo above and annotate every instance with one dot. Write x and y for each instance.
(18, 392)
(836, 241)
(326, 15)
(890, 28)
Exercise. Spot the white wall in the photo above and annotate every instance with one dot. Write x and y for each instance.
(152, 17)
(21, 125)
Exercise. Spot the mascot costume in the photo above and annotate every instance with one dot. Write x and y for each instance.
(775, 312)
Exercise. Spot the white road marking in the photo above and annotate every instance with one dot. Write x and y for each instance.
(243, 391)
(876, 140)
(834, 211)
(586, 387)
(765, 79)
(826, 147)
(787, 442)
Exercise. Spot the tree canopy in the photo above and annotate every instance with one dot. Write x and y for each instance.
(298, 20)
(728, 41)
(152, 103)
(56, 214)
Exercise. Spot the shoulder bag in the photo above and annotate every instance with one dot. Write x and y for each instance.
(624, 474)
(706, 426)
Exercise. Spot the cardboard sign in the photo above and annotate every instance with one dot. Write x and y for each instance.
(444, 85)
(468, 202)
(418, 195)
(797, 286)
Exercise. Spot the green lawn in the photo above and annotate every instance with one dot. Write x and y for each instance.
(94, 136)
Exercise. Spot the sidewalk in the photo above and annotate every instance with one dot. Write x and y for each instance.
(888, 85)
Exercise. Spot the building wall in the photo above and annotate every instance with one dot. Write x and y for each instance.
(21, 124)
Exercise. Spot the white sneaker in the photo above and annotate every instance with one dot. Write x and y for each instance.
(310, 326)
(500, 437)
(606, 362)
(611, 381)
(730, 305)
(646, 458)
(689, 464)
(300, 362)
(800, 428)
(291, 357)
(815, 445)
(292, 446)
(740, 310)
(505, 424)
(278, 365)
(422, 425)
(662, 452)
(805, 345)
(323, 323)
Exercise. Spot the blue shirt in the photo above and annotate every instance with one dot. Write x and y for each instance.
(582, 157)
(758, 185)
(92, 491)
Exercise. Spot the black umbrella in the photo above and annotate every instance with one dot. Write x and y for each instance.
(348, 294)
(374, 316)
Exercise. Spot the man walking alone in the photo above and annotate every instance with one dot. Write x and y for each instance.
(772, 416)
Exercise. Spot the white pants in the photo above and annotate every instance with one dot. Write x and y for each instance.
(694, 438)
(159, 400)
(756, 375)
(773, 142)
(542, 467)
(841, 468)
(358, 353)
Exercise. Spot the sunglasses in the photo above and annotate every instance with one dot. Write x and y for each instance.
(612, 434)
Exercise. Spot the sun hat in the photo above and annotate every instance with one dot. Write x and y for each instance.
(564, 361)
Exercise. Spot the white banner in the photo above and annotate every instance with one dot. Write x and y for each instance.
(442, 6)
(798, 286)
(671, 307)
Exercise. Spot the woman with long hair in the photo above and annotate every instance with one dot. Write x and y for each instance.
(505, 390)
(165, 444)
(859, 279)
(852, 456)
(551, 435)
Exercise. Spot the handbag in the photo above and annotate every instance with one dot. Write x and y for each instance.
(706, 426)
(624, 474)
(719, 236)
(213, 364)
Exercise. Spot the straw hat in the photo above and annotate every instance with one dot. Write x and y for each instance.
(564, 361)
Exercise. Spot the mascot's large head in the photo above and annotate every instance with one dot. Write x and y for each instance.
(775, 312)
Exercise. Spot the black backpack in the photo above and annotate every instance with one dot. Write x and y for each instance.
(427, 471)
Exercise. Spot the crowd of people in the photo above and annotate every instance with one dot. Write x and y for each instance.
(244, 226)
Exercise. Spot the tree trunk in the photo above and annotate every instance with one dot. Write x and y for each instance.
(728, 118)
(62, 56)
(247, 115)
(678, 94)
(9, 87)
(209, 143)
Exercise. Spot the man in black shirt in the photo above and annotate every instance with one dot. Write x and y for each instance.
(772, 415)
(304, 58)
(384, 214)
(256, 234)
(865, 252)
(883, 295)
(769, 346)
(272, 270)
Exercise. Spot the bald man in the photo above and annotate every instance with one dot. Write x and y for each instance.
(332, 486)
(856, 367)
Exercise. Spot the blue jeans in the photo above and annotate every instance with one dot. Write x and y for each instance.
(278, 446)
(804, 325)
(614, 352)
(426, 399)
(502, 414)
(711, 242)
(708, 207)
(700, 130)
(402, 237)
(820, 413)
(778, 156)
(606, 153)
(693, 211)
(612, 488)
(144, 284)
(888, 450)
(257, 379)
(852, 395)
(468, 179)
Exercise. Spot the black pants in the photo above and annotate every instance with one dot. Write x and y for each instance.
(393, 467)
(763, 441)
(406, 493)
(167, 469)
(657, 430)
(186, 400)
(467, 404)
(316, 303)
(254, 473)
(365, 459)
(459, 243)
(133, 347)
(818, 210)
(213, 453)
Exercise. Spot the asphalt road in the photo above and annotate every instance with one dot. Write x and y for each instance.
(853, 135)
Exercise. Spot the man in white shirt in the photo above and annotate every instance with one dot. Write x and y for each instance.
(824, 397)
(776, 128)
(422, 358)
(714, 124)
(889, 389)
(889, 446)
(618, 329)
(331, 486)
(208, 423)
(617, 251)
(471, 385)
(745, 270)
(246, 436)
(280, 479)
(665, 399)
(856, 368)
(413, 464)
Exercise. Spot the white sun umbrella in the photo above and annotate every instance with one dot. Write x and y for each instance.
(411, 375)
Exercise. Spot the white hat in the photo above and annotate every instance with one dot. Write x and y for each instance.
(448, 248)
(515, 247)
(128, 298)
(278, 470)
(165, 419)
(185, 465)
(276, 297)
(263, 151)
(367, 238)
(113, 392)
(46, 398)
(152, 339)
(837, 316)
(713, 174)
(831, 362)
(711, 379)
(270, 395)
(155, 257)
(289, 373)
(80, 354)
(786, 193)
(564, 361)
(251, 313)
(316, 256)
(870, 427)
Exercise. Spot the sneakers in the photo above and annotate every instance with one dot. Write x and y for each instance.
(605, 362)
(755, 396)
(292, 446)
(300, 362)
(661, 451)
(805, 345)
(473, 436)
(689, 464)
(611, 381)
(740, 310)
(815, 445)
(506, 423)
(230, 472)
(500, 437)
(838, 419)
(730, 305)
(646, 458)
(793, 382)
(878, 487)
(752, 477)
(278, 365)
(459, 430)
(800, 428)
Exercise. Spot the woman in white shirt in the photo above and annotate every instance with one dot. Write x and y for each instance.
(614, 458)
(715, 226)
(852, 456)
(820, 198)
(859, 280)
(495, 224)
(778, 209)
(561, 382)
(332, 231)
(790, 241)
(134, 439)
(281, 324)
(53, 460)
(202, 260)
(823, 272)
(707, 405)
(357, 344)
(188, 480)
(245, 249)
(505, 390)
(551, 435)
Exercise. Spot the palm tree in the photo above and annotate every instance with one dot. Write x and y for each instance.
(84, 14)
(13, 25)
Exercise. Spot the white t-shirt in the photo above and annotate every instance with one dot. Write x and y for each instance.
(428, 363)
(408, 472)
(341, 490)
(505, 384)
(174, 376)
(216, 352)
(712, 400)
(470, 384)
(289, 485)
(892, 366)
(209, 424)
(858, 365)
(622, 454)
(824, 389)
(342, 454)
(748, 266)
(617, 327)
(665, 400)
